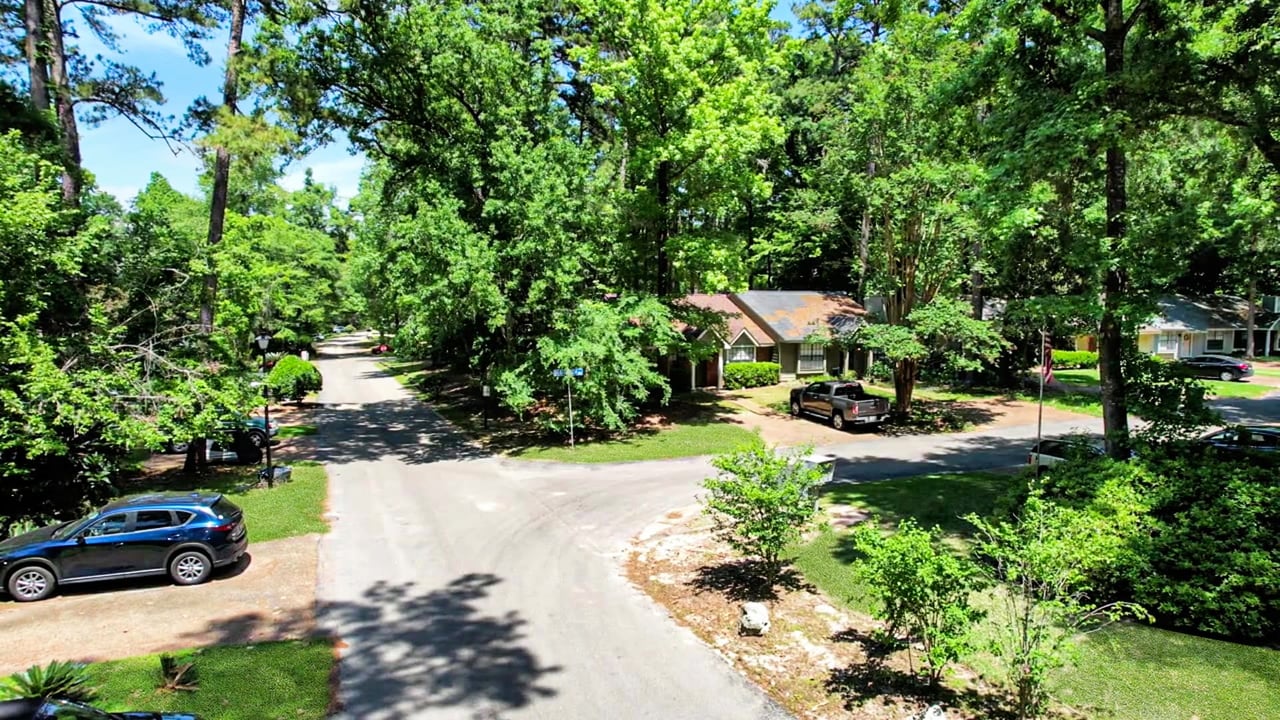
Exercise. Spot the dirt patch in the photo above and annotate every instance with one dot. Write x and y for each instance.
(819, 660)
(269, 597)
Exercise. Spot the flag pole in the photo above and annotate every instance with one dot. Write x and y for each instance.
(1040, 410)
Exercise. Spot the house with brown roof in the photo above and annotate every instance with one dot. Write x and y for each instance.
(790, 327)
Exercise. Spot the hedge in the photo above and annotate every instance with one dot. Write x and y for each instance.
(751, 374)
(294, 378)
(1075, 359)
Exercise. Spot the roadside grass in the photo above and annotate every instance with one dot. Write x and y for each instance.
(1244, 389)
(267, 681)
(1128, 672)
(676, 442)
(689, 426)
(288, 510)
(293, 431)
(1266, 371)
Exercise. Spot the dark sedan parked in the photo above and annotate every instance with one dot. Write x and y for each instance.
(1244, 439)
(63, 710)
(184, 535)
(1218, 367)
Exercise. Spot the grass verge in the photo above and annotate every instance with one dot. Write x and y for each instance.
(269, 681)
(1129, 672)
(678, 441)
(293, 431)
(295, 508)
(1217, 388)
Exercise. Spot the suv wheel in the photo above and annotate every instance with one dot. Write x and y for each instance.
(31, 583)
(258, 438)
(795, 408)
(837, 420)
(1227, 376)
(191, 567)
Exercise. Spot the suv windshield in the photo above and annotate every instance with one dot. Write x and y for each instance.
(65, 530)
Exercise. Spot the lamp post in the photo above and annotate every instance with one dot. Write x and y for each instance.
(264, 341)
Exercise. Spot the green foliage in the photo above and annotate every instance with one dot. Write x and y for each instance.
(741, 375)
(294, 378)
(1173, 404)
(761, 501)
(58, 680)
(612, 342)
(1044, 559)
(176, 674)
(921, 588)
(1075, 360)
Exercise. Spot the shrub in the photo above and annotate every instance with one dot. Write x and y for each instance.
(176, 674)
(751, 374)
(60, 680)
(1075, 359)
(762, 500)
(921, 588)
(294, 378)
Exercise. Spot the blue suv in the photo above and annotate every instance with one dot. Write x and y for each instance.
(183, 535)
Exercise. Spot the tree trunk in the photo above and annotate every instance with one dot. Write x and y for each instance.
(864, 239)
(1115, 410)
(33, 48)
(222, 168)
(663, 192)
(1251, 318)
(197, 458)
(904, 385)
(63, 104)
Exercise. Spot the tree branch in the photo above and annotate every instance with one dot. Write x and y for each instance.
(1133, 17)
(1065, 16)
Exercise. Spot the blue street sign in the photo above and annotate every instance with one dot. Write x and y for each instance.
(578, 372)
(557, 373)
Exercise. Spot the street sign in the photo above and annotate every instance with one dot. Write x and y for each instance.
(486, 391)
(578, 372)
(558, 373)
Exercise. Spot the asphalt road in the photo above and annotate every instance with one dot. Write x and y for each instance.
(466, 586)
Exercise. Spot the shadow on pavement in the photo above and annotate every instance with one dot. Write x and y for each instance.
(405, 429)
(413, 650)
(966, 454)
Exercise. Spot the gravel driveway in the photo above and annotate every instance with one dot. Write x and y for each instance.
(271, 597)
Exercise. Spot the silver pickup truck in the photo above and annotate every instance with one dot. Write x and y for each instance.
(843, 403)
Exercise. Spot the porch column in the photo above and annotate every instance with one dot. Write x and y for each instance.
(844, 361)
(720, 374)
(693, 375)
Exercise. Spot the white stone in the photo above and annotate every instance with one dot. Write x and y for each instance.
(755, 619)
(935, 712)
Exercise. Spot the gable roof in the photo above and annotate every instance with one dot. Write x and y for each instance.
(1187, 314)
(795, 315)
(736, 320)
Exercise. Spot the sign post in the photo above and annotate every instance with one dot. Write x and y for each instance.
(568, 376)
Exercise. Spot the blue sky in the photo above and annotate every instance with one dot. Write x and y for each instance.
(122, 158)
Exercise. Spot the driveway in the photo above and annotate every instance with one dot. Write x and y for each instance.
(468, 586)
(269, 597)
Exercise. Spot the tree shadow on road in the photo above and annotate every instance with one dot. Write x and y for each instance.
(404, 429)
(408, 650)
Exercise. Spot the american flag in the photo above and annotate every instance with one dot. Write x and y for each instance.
(1046, 360)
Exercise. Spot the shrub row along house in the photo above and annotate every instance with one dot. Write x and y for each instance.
(793, 328)
(1186, 327)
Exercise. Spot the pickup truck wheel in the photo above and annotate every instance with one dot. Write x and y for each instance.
(837, 420)
(795, 408)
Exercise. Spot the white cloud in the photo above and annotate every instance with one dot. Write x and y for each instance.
(124, 193)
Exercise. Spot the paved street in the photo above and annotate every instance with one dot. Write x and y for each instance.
(466, 586)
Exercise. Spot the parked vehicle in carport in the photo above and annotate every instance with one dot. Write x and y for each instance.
(183, 535)
(1218, 367)
(255, 429)
(842, 403)
(66, 710)
(1243, 439)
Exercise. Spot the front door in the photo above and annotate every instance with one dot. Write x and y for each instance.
(99, 550)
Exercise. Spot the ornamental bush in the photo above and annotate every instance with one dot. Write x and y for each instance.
(1075, 359)
(294, 378)
(751, 374)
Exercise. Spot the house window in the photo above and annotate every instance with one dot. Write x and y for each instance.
(1217, 340)
(1167, 344)
(741, 353)
(813, 358)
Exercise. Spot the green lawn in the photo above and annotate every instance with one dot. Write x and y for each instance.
(1218, 388)
(293, 431)
(1266, 371)
(295, 508)
(1129, 672)
(268, 681)
(680, 441)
